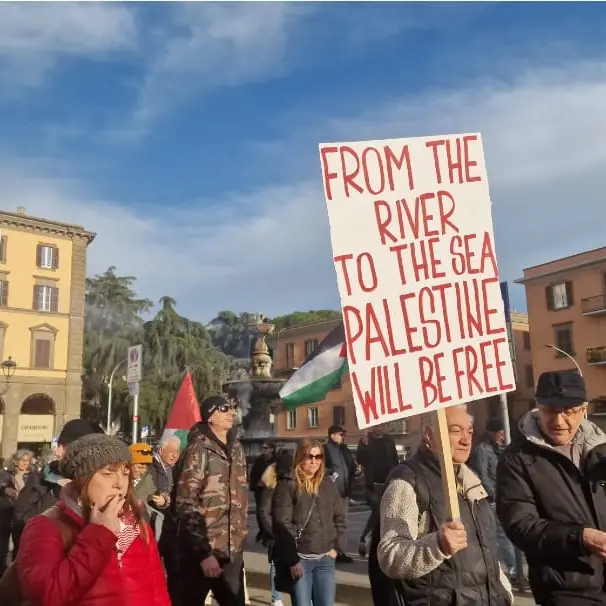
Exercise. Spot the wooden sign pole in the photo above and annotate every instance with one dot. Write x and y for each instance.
(449, 482)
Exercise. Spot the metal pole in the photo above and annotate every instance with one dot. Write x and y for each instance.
(110, 394)
(135, 417)
(567, 355)
(505, 415)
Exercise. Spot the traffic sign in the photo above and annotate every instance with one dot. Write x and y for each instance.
(144, 432)
(133, 388)
(135, 364)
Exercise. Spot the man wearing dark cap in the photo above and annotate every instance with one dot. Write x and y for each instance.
(210, 503)
(551, 499)
(42, 489)
(484, 461)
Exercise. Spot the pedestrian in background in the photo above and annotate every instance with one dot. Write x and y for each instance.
(262, 462)
(484, 461)
(280, 469)
(341, 468)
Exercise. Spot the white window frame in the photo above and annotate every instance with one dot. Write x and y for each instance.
(559, 296)
(47, 256)
(291, 419)
(45, 298)
(313, 417)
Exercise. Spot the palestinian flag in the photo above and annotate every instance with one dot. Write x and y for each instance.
(184, 413)
(319, 373)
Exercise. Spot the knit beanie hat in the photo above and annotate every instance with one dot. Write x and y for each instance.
(77, 428)
(141, 453)
(89, 454)
(209, 405)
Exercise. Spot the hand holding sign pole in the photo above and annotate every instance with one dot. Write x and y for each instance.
(413, 247)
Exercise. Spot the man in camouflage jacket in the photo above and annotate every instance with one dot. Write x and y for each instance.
(210, 500)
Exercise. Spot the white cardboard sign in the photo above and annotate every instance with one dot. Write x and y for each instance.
(413, 248)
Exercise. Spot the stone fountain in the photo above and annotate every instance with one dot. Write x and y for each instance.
(257, 394)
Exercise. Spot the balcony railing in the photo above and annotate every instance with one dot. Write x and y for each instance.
(594, 305)
(596, 355)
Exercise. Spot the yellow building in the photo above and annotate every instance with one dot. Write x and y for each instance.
(42, 284)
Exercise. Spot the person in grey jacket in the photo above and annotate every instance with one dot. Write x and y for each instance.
(484, 462)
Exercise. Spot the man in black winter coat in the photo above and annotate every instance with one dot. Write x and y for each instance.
(341, 467)
(551, 497)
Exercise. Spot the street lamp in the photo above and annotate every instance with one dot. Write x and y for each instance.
(567, 355)
(8, 370)
(109, 397)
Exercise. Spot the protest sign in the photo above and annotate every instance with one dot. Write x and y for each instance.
(413, 248)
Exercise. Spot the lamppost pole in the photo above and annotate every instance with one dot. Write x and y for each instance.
(109, 396)
(8, 370)
(567, 355)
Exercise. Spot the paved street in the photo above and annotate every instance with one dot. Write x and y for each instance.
(352, 579)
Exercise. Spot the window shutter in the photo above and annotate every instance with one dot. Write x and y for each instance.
(42, 353)
(549, 297)
(3, 293)
(39, 255)
(569, 298)
(55, 262)
(36, 303)
(3, 249)
(54, 306)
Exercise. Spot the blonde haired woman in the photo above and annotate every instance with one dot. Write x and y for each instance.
(309, 528)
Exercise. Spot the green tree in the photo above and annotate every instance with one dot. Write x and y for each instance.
(298, 318)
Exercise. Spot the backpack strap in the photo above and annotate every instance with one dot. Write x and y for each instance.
(63, 525)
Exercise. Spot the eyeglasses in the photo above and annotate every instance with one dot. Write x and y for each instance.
(313, 457)
(565, 412)
(227, 407)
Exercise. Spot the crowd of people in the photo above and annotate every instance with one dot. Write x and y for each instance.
(105, 524)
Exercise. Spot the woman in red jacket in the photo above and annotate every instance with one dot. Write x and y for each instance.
(93, 549)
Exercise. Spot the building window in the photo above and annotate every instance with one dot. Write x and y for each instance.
(3, 293)
(42, 346)
(290, 355)
(291, 419)
(47, 256)
(529, 375)
(313, 418)
(563, 339)
(3, 243)
(310, 347)
(559, 296)
(526, 340)
(338, 415)
(46, 298)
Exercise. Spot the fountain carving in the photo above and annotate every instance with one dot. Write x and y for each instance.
(257, 394)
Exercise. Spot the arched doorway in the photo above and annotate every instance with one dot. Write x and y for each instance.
(36, 422)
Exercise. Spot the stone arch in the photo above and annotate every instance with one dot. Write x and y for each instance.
(38, 404)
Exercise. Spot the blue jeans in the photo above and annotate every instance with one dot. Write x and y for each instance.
(276, 596)
(317, 583)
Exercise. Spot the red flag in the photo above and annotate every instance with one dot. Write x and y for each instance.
(185, 411)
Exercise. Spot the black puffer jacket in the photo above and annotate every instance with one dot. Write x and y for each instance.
(544, 501)
(325, 529)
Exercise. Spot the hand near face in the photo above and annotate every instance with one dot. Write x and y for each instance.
(108, 515)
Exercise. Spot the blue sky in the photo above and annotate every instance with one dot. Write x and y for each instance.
(186, 135)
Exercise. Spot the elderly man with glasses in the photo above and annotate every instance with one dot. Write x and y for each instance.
(551, 499)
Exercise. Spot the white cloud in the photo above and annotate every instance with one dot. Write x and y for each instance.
(210, 46)
(268, 250)
(33, 37)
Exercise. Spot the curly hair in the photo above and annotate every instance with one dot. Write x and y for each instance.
(22, 452)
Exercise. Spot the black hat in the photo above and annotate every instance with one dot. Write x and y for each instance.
(561, 389)
(495, 424)
(77, 428)
(210, 405)
(336, 429)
